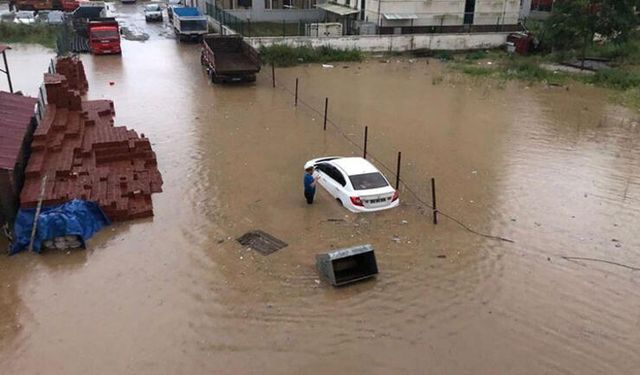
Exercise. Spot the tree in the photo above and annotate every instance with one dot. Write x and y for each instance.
(574, 23)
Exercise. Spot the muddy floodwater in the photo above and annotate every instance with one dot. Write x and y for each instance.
(556, 171)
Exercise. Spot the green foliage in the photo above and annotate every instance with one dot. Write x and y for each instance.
(573, 23)
(615, 78)
(517, 68)
(476, 55)
(280, 55)
(627, 52)
(35, 33)
(477, 71)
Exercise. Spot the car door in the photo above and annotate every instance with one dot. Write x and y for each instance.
(321, 169)
(329, 177)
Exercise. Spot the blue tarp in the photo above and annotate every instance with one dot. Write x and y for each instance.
(187, 12)
(76, 217)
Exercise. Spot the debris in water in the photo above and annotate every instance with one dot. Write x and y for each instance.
(327, 66)
(442, 256)
(261, 241)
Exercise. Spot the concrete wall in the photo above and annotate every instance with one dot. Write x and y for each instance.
(442, 12)
(399, 43)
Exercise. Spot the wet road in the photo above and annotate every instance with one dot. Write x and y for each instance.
(555, 171)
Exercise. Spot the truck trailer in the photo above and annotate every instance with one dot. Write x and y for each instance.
(228, 58)
(189, 23)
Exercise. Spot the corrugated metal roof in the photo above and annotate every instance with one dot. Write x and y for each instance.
(398, 16)
(338, 9)
(16, 112)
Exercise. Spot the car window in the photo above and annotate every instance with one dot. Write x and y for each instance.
(321, 167)
(332, 172)
(337, 175)
(368, 181)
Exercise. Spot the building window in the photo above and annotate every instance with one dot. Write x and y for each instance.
(289, 4)
(235, 4)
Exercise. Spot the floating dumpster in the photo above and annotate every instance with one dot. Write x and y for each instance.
(344, 266)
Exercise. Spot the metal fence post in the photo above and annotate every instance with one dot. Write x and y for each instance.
(398, 170)
(433, 201)
(366, 137)
(296, 102)
(273, 74)
(326, 105)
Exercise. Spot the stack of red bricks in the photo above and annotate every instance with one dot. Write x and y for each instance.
(71, 67)
(85, 156)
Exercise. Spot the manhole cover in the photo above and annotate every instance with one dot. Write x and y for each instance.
(261, 241)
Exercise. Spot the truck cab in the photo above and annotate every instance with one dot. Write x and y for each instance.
(104, 37)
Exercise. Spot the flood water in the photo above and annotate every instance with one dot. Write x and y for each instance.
(556, 171)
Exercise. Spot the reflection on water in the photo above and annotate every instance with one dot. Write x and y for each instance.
(556, 171)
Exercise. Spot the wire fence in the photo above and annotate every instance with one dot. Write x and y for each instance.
(408, 187)
(246, 27)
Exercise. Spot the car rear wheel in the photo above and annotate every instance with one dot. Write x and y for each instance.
(340, 202)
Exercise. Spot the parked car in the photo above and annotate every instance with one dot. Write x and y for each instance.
(50, 16)
(153, 12)
(25, 17)
(355, 183)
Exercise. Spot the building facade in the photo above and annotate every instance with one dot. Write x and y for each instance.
(386, 16)
(271, 10)
(536, 9)
(405, 16)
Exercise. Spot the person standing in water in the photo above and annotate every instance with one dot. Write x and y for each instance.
(310, 184)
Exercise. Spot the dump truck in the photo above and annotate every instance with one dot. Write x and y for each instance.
(189, 23)
(104, 36)
(69, 5)
(228, 58)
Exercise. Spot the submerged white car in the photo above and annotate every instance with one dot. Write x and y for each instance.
(355, 183)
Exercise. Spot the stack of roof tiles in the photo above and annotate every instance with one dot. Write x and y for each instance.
(85, 156)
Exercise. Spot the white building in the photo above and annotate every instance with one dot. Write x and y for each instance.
(423, 16)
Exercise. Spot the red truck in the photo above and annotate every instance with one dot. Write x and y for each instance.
(69, 5)
(104, 36)
(34, 4)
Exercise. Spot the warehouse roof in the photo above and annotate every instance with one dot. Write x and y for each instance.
(16, 112)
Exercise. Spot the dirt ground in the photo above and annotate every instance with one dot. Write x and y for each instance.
(555, 171)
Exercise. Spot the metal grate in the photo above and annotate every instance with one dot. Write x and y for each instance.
(261, 242)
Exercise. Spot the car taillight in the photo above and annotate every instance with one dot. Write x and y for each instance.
(356, 201)
(395, 196)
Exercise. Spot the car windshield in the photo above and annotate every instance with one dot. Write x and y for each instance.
(368, 181)
(105, 34)
(152, 7)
